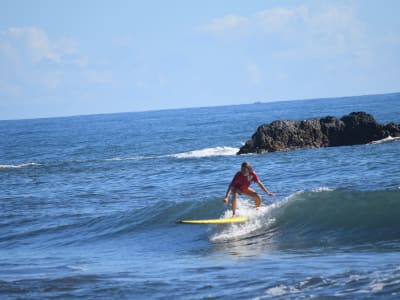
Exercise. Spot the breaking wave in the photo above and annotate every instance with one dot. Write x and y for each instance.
(322, 217)
(389, 139)
(208, 152)
(201, 153)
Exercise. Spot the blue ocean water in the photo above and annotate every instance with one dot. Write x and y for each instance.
(89, 204)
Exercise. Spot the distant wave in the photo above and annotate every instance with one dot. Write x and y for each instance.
(128, 158)
(386, 140)
(208, 152)
(19, 166)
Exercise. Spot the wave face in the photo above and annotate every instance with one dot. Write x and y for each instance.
(322, 218)
(299, 224)
(319, 218)
(304, 219)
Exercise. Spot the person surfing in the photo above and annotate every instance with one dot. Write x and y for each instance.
(240, 184)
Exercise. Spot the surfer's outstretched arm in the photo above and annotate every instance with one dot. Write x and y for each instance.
(262, 186)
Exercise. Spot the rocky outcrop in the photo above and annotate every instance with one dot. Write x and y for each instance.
(355, 128)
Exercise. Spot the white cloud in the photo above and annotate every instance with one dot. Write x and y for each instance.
(278, 19)
(229, 23)
(331, 29)
(31, 60)
(336, 26)
(330, 37)
(33, 43)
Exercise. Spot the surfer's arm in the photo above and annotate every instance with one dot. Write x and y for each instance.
(262, 186)
(228, 192)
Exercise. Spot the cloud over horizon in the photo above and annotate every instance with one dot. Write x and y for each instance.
(333, 27)
(330, 40)
(33, 43)
(38, 60)
(147, 57)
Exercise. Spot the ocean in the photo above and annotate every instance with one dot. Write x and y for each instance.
(89, 204)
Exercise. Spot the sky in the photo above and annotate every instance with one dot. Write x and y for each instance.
(70, 57)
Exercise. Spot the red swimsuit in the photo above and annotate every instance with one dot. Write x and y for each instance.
(242, 182)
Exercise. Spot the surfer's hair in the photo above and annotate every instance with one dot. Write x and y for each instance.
(246, 165)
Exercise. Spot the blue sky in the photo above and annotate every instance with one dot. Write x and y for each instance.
(60, 58)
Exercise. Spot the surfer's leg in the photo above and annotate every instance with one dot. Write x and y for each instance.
(234, 197)
(253, 194)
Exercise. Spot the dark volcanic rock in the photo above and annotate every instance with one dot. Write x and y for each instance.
(352, 129)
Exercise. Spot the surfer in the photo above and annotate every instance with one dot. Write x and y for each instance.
(241, 185)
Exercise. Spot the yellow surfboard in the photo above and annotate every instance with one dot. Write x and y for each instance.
(215, 221)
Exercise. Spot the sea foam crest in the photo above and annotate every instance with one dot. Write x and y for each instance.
(19, 166)
(386, 140)
(208, 152)
(258, 219)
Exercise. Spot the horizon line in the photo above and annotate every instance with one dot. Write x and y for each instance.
(193, 107)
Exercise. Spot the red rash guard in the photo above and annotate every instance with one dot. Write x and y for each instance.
(242, 182)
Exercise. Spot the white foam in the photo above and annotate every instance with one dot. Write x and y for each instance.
(386, 140)
(281, 290)
(78, 267)
(262, 218)
(208, 152)
(322, 189)
(258, 218)
(18, 166)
